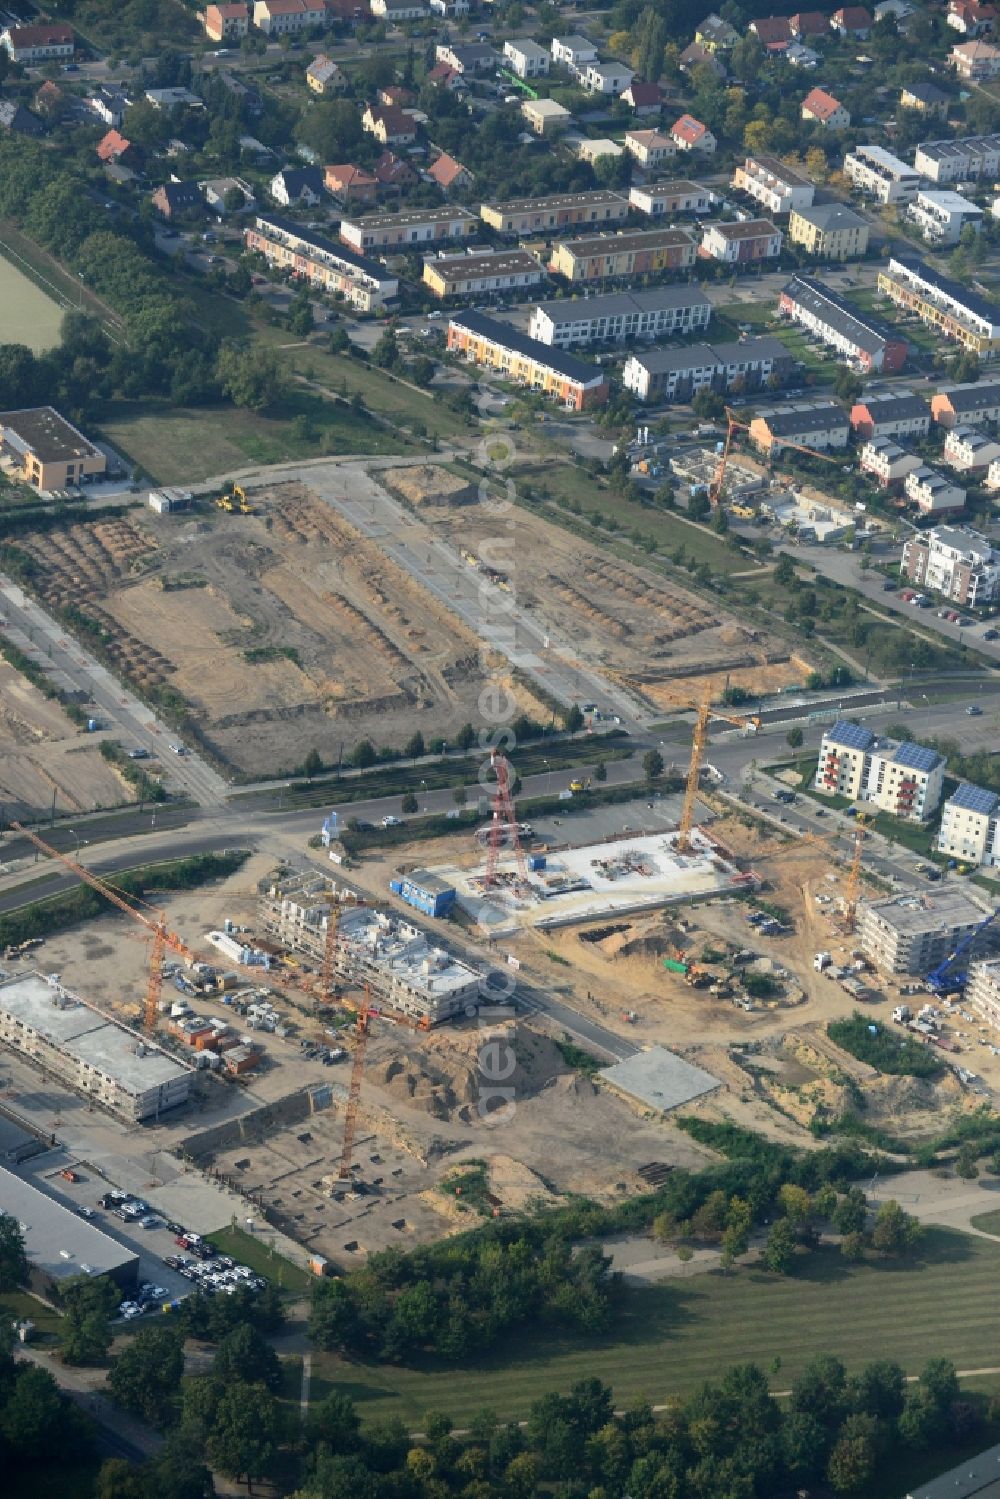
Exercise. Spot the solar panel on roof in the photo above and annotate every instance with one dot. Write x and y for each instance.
(974, 799)
(851, 735)
(916, 756)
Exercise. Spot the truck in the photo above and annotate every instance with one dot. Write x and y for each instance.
(578, 785)
(902, 1014)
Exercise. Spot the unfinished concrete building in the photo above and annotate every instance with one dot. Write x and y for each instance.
(982, 992)
(914, 933)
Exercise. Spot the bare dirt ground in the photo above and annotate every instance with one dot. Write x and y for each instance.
(645, 631)
(284, 631)
(42, 752)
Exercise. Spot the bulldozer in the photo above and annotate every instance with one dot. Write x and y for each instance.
(235, 501)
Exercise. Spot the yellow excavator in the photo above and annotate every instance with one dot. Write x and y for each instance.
(235, 501)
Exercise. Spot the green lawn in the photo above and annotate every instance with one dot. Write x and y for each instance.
(18, 1305)
(185, 445)
(988, 1222)
(248, 1249)
(671, 1337)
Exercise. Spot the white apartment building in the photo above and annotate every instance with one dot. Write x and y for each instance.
(609, 78)
(982, 991)
(659, 198)
(959, 160)
(941, 216)
(954, 561)
(970, 827)
(742, 243)
(886, 461)
(932, 493)
(968, 450)
(777, 187)
(527, 59)
(650, 313)
(573, 52)
(898, 777)
(651, 148)
(914, 933)
(881, 175)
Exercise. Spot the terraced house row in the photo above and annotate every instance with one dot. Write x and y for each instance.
(945, 305)
(485, 341)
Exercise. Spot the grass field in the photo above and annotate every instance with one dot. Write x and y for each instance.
(19, 1306)
(387, 397)
(184, 445)
(248, 1249)
(988, 1222)
(670, 1338)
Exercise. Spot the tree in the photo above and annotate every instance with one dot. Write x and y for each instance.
(803, 1445)
(34, 1418)
(699, 505)
(251, 377)
(939, 1379)
(363, 755)
(966, 1162)
(146, 1375)
(386, 352)
(921, 1423)
(333, 1320)
(600, 771)
(312, 765)
(573, 719)
(86, 1327)
(820, 1389)
(409, 803)
(708, 405)
(851, 1213)
(879, 1389)
(852, 1463)
(335, 1423)
(245, 1354)
(652, 764)
(784, 570)
(894, 1230)
(794, 738)
(846, 385)
(414, 746)
(779, 1251)
(466, 737)
(13, 1260)
(243, 1441)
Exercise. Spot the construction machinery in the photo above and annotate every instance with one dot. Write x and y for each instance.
(854, 876)
(946, 978)
(734, 425)
(354, 1092)
(235, 501)
(704, 713)
(154, 923)
(504, 820)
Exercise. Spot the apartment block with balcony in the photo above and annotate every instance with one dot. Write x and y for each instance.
(657, 311)
(912, 934)
(777, 187)
(970, 827)
(614, 257)
(898, 777)
(932, 493)
(962, 160)
(742, 243)
(830, 231)
(661, 199)
(941, 216)
(954, 561)
(880, 174)
(969, 451)
(982, 991)
(886, 462)
(953, 310)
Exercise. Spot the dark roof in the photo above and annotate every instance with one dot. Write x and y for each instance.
(698, 356)
(979, 397)
(46, 434)
(298, 178)
(970, 300)
(974, 799)
(893, 408)
(850, 735)
(927, 93)
(583, 371)
(180, 195)
(789, 421)
(866, 333)
(916, 756)
(645, 299)
(769, 29)
(21, 121)
(829, 217)
(334, 248)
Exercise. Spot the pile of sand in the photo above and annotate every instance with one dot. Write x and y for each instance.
(426, 484)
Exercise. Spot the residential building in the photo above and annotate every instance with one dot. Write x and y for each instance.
(174, 199)
(831, 231)
(964, 160)
(975, 62)
(809, 23)
(776, 187)
(297, 185)
(324, 76)
(450, 8)
(954, 561)
(925, 99)
(215, 191)
(109, 104)
(467, 58)
(716, 34)
(822, 108)
(577, 383)
(115, 147)
(977, 402)
(94, 1055)
(679, 374)
(941, 216)
(798, 56)
(969, 451)
(982, 996)
(48, 452)
(697, 56)
(886, 461)
(852, 21)
(61, 1246)
(19, 121)
(660, 199)
(397, 232)
(309, 256)
(441, 76)
(879, 174)
(898, 777)
(932, 493)
(653, 313)
(643, 98)
(586, 148)
(811, 424)
(608, 78)
(970, 833)
(527, 59)
(449, 174)
(911, 934)
(390, 125)
(392, 173)
(651, 148)
(773, 32)
(970, 18)
(560, 211)
(573, 52)
(945, 305)
(173, 98)
(899, 414)
(635, 252)
(285, 17)
(352, 185)
(226, 22)
(30, 45)
(689, 134)
(545, 117)
(475, 275)
(395, 11)
(742, 243)
(394, 957)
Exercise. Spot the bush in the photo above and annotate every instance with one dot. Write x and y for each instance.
(897, 1055)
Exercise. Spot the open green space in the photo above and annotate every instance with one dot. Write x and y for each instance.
(19, 1306)
(762, 318)
(50, 278)
(31, 316)
(388, 398)
(668, 1339)
(250, 1249)
(989, 1223)
(186, 445)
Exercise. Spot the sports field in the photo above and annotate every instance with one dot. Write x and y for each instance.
(670, 1338)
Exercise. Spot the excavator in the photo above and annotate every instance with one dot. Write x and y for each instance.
(235, 501)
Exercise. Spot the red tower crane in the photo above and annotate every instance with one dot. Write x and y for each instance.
(504, 814)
